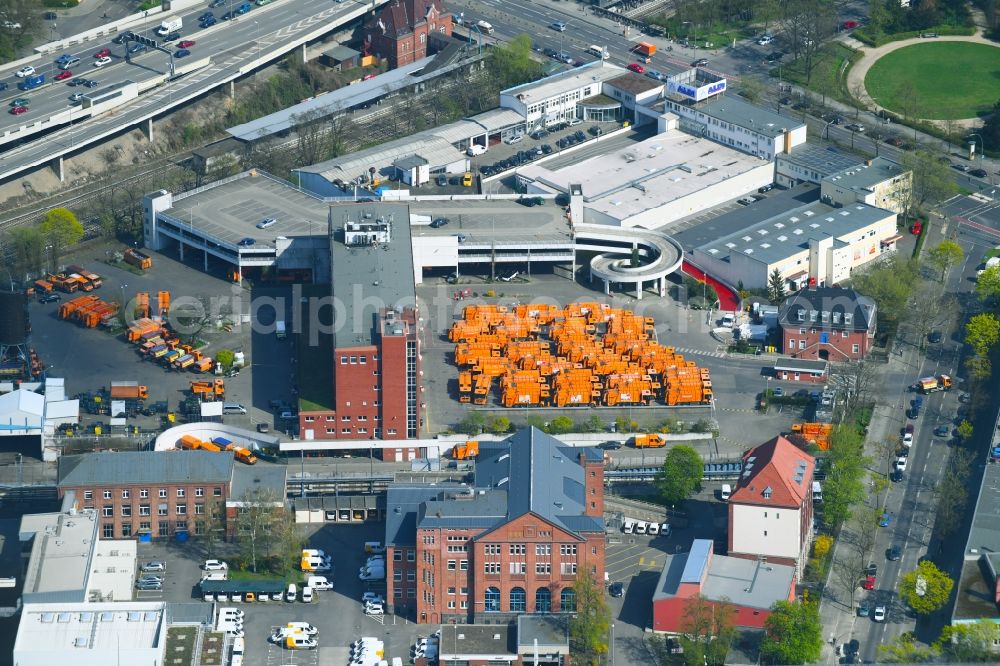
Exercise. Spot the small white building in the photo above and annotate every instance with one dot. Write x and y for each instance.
(733, 122)
(97, 634)
(811, 163)
(879, 182)
(555, 98)
(814, 242)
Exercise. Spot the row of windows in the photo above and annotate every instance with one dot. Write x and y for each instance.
(802, 331)
(144, 493)
(398, 592)
(163, 529)
(356, 360)
(146, 510)
(521, 568)
(518, 600)
(345, 418)
(521, 549)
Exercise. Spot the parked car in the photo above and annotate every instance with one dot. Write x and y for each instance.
(215, 565)
(637, 68)
(439, 222)
(765, 189)
(610, 445)
(531, 201)
(371, 597)
(745, 201)
(700, 62)
(617, 590)
(942, 431)
(855, 127)
(978, 173)
(894, 553)
(886, 517)
(49, 298)
(879, 615)
(246, 242)
(155, 565)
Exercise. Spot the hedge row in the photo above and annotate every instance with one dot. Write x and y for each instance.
(872, 37)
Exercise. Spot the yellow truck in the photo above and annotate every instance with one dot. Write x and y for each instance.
(652, 441)
(934, 384)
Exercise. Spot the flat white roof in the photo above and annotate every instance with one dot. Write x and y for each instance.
(564, 82)
(123, 632)
(648, 174)
(61, 554)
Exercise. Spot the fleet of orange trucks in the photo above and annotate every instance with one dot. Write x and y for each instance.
(649, 441)
(218, 444)
(85, 277)
(128, 391)
(138, 259)
(209, 389)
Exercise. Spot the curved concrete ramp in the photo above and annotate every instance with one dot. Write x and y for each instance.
(205, 430)
(660, 255)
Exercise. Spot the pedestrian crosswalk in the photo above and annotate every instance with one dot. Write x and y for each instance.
(688, 351)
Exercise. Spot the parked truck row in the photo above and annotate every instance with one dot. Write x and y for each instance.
(217, 444)
(154, 340)
(89, 311)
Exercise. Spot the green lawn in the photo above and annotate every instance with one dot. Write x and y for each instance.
(949, 80)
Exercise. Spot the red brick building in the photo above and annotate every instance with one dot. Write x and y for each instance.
(771, 508)
(747, 588)
(402, 30)
(375, 392)
(828, 324)
(155, 493)
(513, 542)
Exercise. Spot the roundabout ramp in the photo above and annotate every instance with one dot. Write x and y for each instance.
(658, 256)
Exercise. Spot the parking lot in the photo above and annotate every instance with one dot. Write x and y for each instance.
(336, 613)
(90, 359)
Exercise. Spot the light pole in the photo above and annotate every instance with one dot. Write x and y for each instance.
(611, 648)
(982, 155)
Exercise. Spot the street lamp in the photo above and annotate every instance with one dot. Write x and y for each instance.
(982, 154)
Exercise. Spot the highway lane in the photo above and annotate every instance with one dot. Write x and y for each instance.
(260, 28)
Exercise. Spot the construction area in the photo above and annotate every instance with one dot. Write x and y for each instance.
(584, 354)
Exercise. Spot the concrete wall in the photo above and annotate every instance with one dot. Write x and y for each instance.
(769, 531)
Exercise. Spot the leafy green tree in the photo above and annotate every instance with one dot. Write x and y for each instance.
(536, 421)
(498, 425)
(988, 284)
(926, 588)
(932, 179)
(905, 650)
(225, 358)
(982, 332)
(844, 487)
(561, 425)
(964, 429)
(588, 629)
(594, 424)
(967, 643)
(512, 64)
(776, 287)
(980, 367)
(952, 492)
(681, 475)
(28, 247)
(472, 424)
(890, 284)
(707, 631)
(944, 255)
(792, 633)
(61, 229)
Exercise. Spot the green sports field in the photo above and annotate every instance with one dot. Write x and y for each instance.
(950, 80)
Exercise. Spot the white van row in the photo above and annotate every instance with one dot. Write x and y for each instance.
(642, 527)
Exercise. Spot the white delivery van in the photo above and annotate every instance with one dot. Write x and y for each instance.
(319, 583)
(640, 527)
(598, 51)
(726, 493)
(629, 526)
(485, 27)
(475, 149)
(817, 492)
(307, 594)
(169, 25)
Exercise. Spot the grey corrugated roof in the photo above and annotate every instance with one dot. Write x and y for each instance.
(436, 150)
(863, 177)
(731, 109)
(829, 300)
(138, 467)
(818, 159)
(402, 506)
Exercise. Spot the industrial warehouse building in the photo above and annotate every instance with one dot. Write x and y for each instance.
(654, 182)
(814, 244)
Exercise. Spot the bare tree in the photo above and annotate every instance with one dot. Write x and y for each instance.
(867, 519)
(857, 380)
(847, 568)
(258, 515)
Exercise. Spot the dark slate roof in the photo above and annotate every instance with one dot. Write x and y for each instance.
(831, 304)
(402, 504)
(138, 467)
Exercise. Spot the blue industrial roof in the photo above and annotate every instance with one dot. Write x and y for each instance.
(402, 504)
(697, 560)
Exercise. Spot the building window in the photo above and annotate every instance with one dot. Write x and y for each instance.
(124, 493)
(163, 492)
(411, 555)
(88, 494)
(143, 493)
(397, 576)
(451, 605)
(491, 568)
(180, 492)
(567, 549)
(164, 528)
(144, 510)
(108, 511)
(145, 527)
(491, 600)
(397, 555)
(543, 600)
(517, 568)
(543, 549)
(411, 576)
(492, 549)
(451, 591)
(181, 526)
(518, 600)
(345, 418)
(343, 360)
(517, 549)
(126, 510)
(451, 565)
(398, 592)
(567, 600)
(107, 494)
(463, 565)
(199, 528)
(199, 492)
(568, 568)
(354, 360)
(108, 531)
(345, 431)
(364, 359)
(182, 509)
(217, 492)
(161, 510)
(199, 509)
(310, 419)
(855, 349)
(543, 568)
(126, 530)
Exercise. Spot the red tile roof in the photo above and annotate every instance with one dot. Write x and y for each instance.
(776, 473)
(401, 16)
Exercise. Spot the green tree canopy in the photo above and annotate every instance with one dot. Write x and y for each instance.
(61, 229)
(588, 629)
(966, 643)
(982, 332)
(225, 358)
(944, 255)
(792, 633)
(472, 424)
(776, 287)
(844, 486)
(988, 284)
(932, 179)
(512, 63)
(926, 588)
(28, 245)
(681, 475)
(561, 425)
(498, 425)
(890, 284)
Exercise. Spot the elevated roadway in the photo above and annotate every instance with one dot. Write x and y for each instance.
(659, 255)
(221, 54)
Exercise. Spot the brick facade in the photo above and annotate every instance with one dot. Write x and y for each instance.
(401, 30)
(827, 323)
